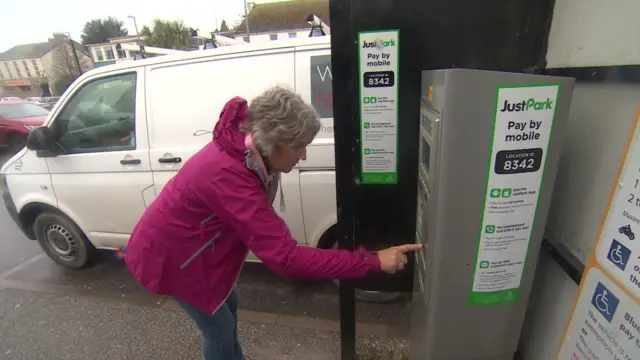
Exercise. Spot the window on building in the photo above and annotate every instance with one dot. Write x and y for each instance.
(36, 67)
(122, 54)
(273, 37)
(17, 69)
(28, 72)
(6, 67)
(1, 75)
(108, 53)
(293, 35)
(98, 52)
(99, 117)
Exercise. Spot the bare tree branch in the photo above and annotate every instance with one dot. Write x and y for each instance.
(64, 63)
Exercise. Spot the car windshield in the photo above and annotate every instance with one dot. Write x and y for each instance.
(17, 111)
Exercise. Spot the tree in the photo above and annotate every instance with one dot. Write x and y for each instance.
(97, 31)
(224, 27)
(64, 69)
(167, 34)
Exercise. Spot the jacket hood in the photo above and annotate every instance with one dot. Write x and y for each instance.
(227, 133)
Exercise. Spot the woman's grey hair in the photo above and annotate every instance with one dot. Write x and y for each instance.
(279, 116)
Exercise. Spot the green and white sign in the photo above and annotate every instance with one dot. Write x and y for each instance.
(378, 78)
(522, 128)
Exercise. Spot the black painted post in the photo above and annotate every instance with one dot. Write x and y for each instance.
(340, 54)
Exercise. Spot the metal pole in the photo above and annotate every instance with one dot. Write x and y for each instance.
(246, 20)
(135, 25)
(75, 56)
(347, 321)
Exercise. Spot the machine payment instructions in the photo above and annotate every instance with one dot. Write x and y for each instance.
(378, 74)
(523, 125)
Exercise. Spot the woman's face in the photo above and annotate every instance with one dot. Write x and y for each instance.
(284, 158)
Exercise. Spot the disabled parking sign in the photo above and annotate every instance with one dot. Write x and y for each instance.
(604, 301)
(618, 255)
(605, 323)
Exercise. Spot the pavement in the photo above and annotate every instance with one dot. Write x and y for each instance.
(49, 312)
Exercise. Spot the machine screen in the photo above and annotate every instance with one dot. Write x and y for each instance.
(425, 154)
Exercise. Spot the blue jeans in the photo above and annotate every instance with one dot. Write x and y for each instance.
(219, 330)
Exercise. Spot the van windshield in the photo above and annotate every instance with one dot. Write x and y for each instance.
(18, 111)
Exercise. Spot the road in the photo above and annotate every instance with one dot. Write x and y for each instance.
(49, 312)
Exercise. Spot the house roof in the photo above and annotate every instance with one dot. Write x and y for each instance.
(285, 15)
(37, 50)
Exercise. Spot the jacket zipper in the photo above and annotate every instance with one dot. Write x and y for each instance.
(203, 224)
(211, 242)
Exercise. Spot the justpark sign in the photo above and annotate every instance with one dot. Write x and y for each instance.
(530, 104)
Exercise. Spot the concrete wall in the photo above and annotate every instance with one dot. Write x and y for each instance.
(584, 33)
(548, 311)
(594, 33)
(599, 122)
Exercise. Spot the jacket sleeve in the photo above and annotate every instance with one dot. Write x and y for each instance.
(244, 206)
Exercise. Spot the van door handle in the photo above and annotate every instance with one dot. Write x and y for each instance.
(170, 160)
(130, 161)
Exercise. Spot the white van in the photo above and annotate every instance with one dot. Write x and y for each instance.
(122, 131)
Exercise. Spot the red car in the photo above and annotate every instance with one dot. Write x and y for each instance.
(17, 118)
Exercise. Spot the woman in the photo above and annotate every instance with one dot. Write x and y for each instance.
(192, 241)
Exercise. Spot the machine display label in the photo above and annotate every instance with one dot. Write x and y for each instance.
(378, 78)
(522, 129)
(518, 161)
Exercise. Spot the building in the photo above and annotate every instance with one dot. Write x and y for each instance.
(107, 53)
(282, 20)
(29, 69)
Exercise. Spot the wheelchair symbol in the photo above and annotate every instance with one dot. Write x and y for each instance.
(605, 301)
(619, 254)
(602, 302)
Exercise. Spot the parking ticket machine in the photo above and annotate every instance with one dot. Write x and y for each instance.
(489, 144)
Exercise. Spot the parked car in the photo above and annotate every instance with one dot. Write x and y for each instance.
(17, 118)
(10, 98)
(49, 102)
(34, 100)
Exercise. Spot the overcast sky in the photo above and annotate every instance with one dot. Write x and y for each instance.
(24, 22)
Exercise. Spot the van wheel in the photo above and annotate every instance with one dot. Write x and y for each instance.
(16, 143)
(371, 296)
(62, 240)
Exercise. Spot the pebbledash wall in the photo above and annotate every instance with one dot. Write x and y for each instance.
(598, 43)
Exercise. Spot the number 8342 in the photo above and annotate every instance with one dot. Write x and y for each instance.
(517, 164)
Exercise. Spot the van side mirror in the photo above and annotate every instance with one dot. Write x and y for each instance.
(41, 140)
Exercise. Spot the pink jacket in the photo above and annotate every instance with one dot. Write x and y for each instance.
(192, 241)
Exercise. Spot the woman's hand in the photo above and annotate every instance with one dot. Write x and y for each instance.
(395, 258)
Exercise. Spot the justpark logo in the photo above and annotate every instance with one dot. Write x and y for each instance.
(378, 43)
(530, 104)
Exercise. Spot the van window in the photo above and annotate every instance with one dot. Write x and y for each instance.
(99, 117)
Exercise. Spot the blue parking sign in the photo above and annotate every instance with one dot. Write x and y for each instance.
(605, 301)
(618, 254)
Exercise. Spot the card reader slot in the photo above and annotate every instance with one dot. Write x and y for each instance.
(429, 143)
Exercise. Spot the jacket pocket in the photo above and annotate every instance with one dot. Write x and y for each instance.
(211, 243)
